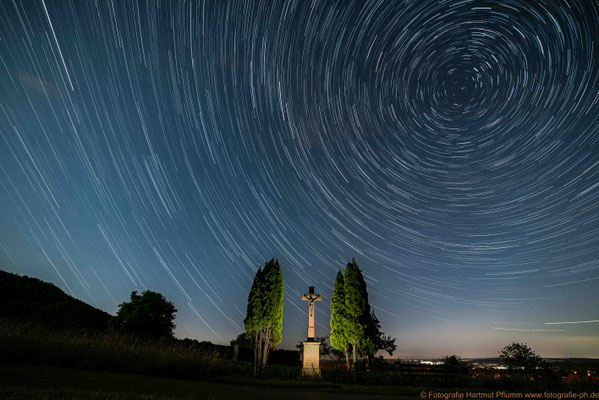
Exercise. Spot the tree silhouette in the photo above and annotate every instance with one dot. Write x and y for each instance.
(242, 340)
(379, 340)
(456, 363)
(145, 315)
(520, 357)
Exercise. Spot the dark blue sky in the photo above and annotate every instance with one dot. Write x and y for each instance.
(451, 147)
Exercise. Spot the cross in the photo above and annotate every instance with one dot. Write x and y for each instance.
(311, 298)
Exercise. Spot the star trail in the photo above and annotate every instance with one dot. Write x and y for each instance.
(451, 147)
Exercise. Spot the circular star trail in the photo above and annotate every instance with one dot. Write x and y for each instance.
(451, 147)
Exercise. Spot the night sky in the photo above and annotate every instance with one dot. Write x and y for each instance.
(451, 147)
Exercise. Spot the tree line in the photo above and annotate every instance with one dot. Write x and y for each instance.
(355, 328)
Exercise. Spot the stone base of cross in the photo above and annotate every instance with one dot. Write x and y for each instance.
(311, 359)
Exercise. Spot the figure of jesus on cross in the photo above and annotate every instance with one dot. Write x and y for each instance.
(311, 298)
(311, 355)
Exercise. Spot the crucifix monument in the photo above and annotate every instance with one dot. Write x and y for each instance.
(311, 357)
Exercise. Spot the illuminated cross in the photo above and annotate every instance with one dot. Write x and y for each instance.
(311, 298)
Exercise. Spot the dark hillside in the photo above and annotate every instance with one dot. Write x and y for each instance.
(31, 300)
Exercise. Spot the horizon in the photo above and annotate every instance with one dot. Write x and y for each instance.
(451, 148)
(396, 355)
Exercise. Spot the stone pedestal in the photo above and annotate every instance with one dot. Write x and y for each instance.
(311, 359)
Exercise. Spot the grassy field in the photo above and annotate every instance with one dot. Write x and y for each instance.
(44, 363)
(23, 393)
(25, 344)
(125, 358)
(39, 382)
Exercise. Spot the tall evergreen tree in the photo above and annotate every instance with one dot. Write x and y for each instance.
(363, 328)
(366, 344)
(255, 316)
(355, 307)
(338, 338)
(264, 318)
(273, 307)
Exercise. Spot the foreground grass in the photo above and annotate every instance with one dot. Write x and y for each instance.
(29, 345)
(33, 382)
(299, 384)
(23, 393)
(39, 382)
(34, 345)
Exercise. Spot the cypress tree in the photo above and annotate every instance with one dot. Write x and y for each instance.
(264, 318)
(255, 316)
(362, 328)
(355, 307)
(372, 339)
(338, 338)
(366, 342)
(273, 307)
